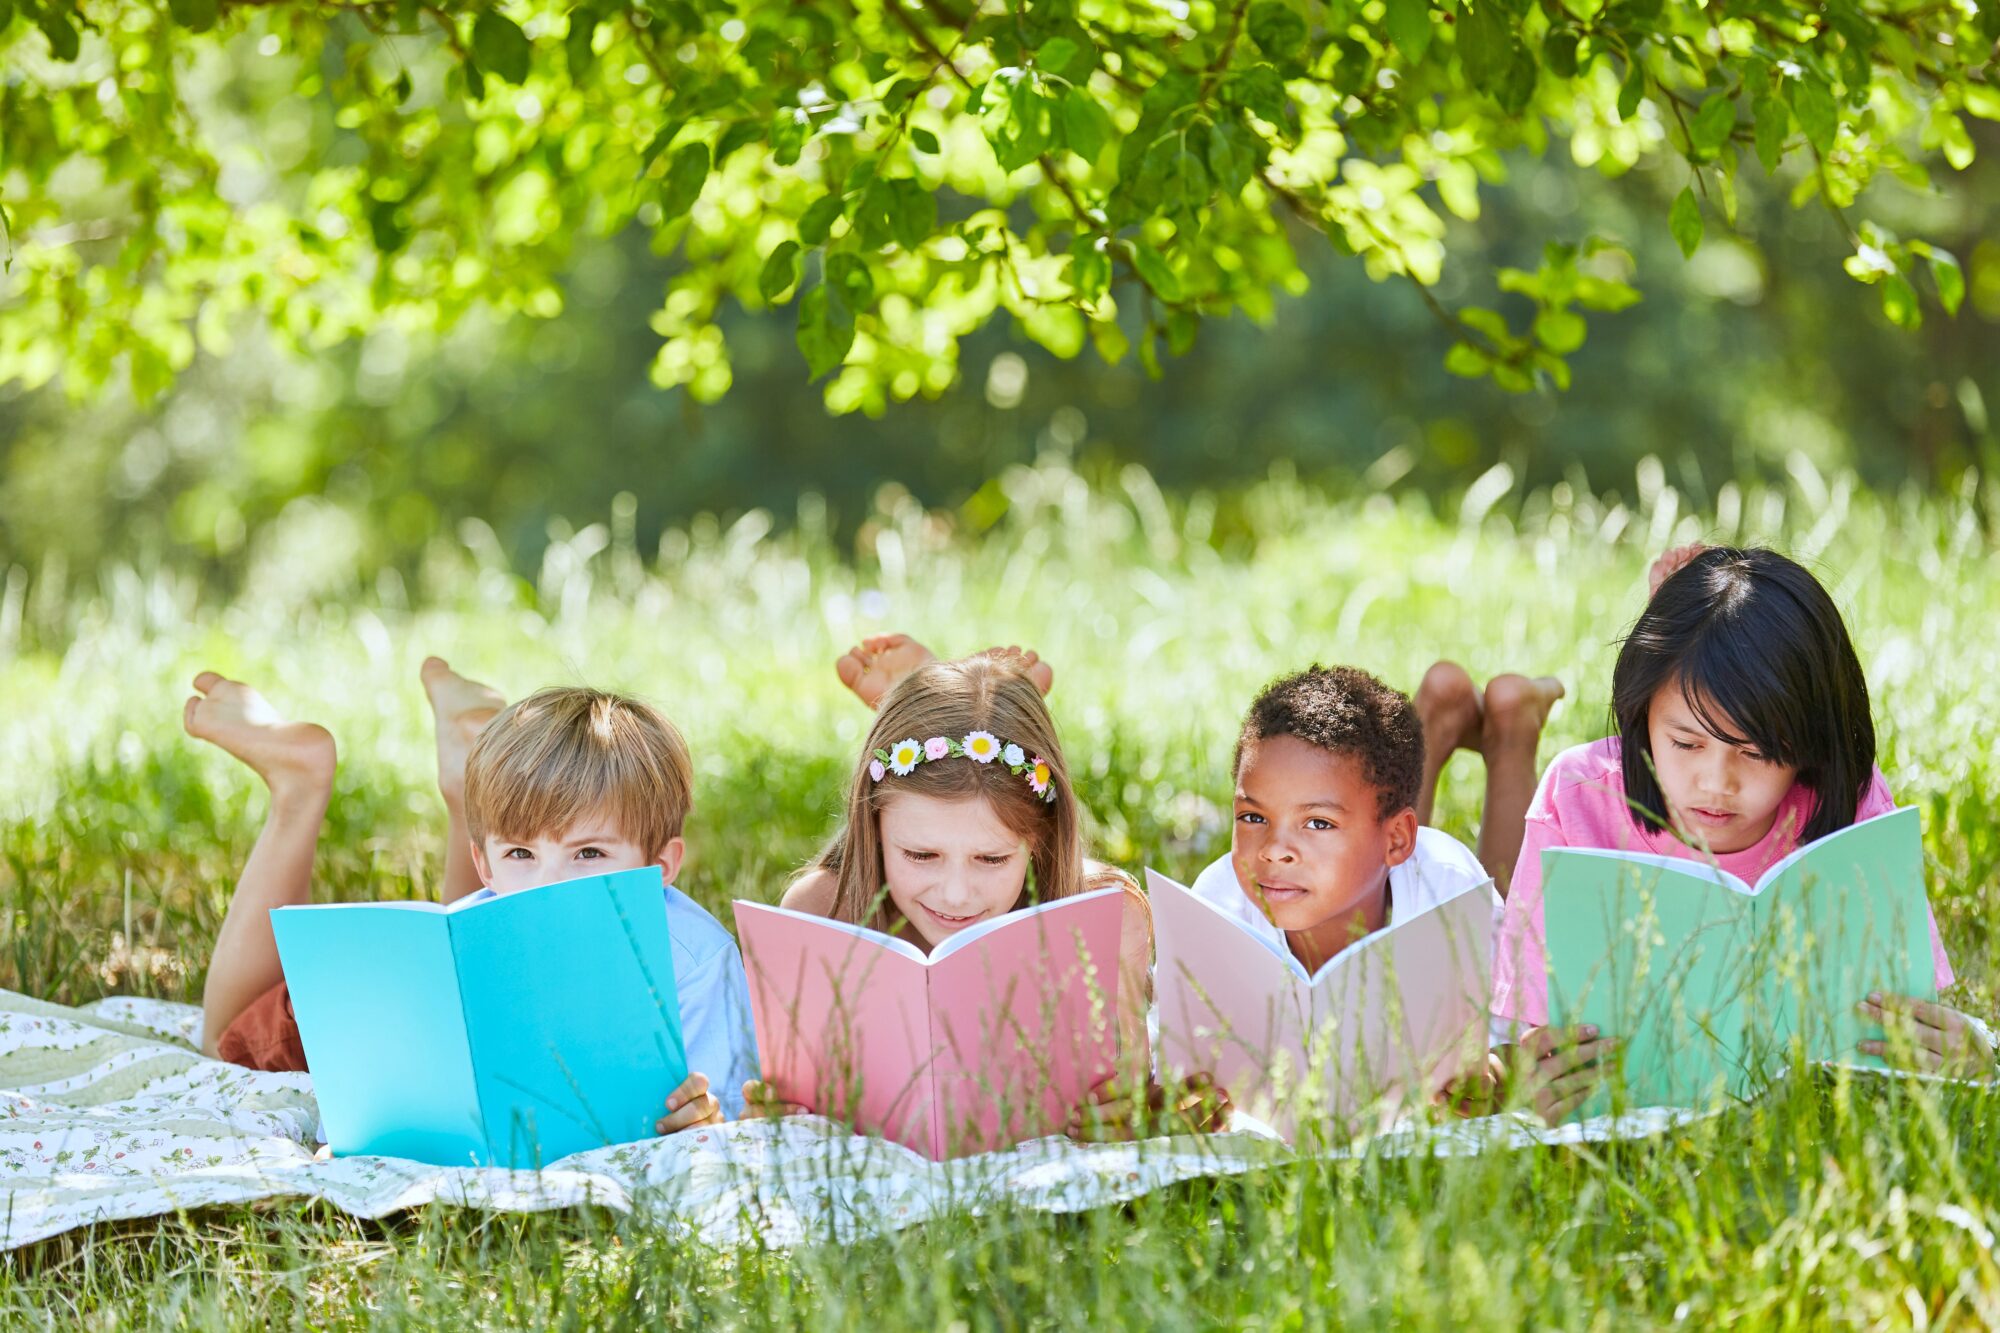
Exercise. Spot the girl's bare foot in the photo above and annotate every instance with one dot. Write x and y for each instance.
(1516, 709)
(870, 667)
(1669, 564)
(295, 759)
(1025, 661)
(461, 709)
(1449, 706)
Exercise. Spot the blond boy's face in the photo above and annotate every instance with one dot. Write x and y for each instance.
(590, 847)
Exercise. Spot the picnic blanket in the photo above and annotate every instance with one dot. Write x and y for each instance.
(109, 1111)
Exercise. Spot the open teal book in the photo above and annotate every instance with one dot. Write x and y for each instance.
(1715, 985)
(504, 1030)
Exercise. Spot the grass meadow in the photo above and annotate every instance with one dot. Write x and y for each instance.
(1829, 1203)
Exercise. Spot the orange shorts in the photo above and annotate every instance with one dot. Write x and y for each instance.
(266, 1035)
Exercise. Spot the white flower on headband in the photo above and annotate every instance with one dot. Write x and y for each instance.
(1013, 756)
(982, 747)
(904, 756)
(937, 747)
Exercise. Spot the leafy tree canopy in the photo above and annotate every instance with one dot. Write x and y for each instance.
(1107, 172)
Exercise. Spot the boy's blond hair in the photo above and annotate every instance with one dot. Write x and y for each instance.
(568, 752)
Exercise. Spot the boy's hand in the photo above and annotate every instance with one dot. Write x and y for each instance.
(689, 1105)
(1117, 1113)
(1933, 1038)
(761, 1100)
(1562, 1067)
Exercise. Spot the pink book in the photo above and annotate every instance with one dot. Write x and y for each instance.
(990, 1040)
(1347, 1044)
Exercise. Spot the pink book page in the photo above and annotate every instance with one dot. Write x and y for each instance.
(1228, 1004)
(1024, 1015)
(843, 1021)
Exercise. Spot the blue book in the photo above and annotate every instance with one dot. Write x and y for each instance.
(498, 1031)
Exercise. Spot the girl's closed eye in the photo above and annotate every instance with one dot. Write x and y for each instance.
(995, 858)
(914, 855)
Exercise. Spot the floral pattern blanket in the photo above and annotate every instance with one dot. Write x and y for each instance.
(109, 1111)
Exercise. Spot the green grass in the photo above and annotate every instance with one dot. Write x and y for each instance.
(1868, 1204)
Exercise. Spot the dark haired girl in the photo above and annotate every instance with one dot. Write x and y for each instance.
(1743, 730)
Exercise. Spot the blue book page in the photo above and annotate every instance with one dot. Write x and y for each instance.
(1840, 918)
(571, 1014)
(377, 999)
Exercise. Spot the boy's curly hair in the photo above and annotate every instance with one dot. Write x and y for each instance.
(1344, 711)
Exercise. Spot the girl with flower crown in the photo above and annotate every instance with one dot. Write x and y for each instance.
(961, 810)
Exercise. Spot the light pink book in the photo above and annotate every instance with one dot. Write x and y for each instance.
(1384, 1022)
(991, 1039)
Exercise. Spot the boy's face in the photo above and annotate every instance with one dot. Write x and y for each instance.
(1723, 796)
(1309, 841)
(593, 846)
(949, 864)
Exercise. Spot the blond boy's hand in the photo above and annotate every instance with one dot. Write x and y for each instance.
(689, 1105)
(1117, 1113)
(1561, 1067)
(1932, 1038)
(760, 1099)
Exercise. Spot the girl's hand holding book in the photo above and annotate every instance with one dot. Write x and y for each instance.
(1558, 1068)
(1927, 1037)
(689, 1105)
(761, 1101)
(1117, 1112)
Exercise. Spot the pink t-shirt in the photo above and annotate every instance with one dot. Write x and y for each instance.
(1581, 803)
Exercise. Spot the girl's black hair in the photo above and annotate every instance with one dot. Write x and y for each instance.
(1749, 636)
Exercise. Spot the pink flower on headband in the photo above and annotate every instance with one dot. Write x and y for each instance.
(875, 770)
(937, 747)
(1038, 776)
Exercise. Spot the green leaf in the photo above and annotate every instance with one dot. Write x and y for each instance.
(1157, 273)
(60, 31)
(475, 82)
(1485, 44)
(781, 271)
(912, 212)
(1950, 280)
(1089, 268)
(1085, 126)
(1409, 23)
(1056, 53)
(1686, 221)
(661, 141)
(817, 221)
(1467, 360)
(1633, 90)
(1981, 99)
(1277, 30)
(1819, 117)
(501, 45)
(1774, 122)
(385, 227)
(685, 176)
(194, 15)
(826, 330)
(577, 48)
(1712, 125)
(850, 279)
(740, 134)
(924, 141)
(1017, 119)
(6, 14)
(1561, 331)
(1899, 302)
(1559, 52)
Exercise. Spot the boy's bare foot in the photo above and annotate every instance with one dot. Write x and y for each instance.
(1669, 564)
(295, 759)
(1024, 660)
(1517, 708)
(461, 709)
(870, 667)
(1449, 706)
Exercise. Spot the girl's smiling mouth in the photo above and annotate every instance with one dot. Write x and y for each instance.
(948, 921)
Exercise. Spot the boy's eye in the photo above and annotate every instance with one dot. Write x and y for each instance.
(1316, 822)
(590, 854)
(1249, 817)
(518, 854)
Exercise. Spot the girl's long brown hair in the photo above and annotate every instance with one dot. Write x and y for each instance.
(952, 699)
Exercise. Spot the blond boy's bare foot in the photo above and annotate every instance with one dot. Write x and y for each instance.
(1024, 660)
(872, 666)
(461, 708)
(1669, 564)
(1516, 709)
(295, 759)
(1449, 706)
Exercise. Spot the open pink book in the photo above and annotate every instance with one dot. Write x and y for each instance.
(990, 1040)
(1346, 1046)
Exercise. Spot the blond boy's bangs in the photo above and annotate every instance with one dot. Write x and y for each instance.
(562, 758)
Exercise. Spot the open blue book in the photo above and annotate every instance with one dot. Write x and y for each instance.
(1714, 984)
(498, 1031)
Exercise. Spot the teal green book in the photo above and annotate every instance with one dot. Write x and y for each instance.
(1715, 985)
(507, 1030)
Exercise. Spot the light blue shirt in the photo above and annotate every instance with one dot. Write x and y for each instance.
(714, 995)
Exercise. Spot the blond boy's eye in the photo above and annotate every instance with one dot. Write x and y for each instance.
(590, 853)
(518, 854)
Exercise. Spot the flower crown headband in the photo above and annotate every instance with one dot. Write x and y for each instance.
(981, 747)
